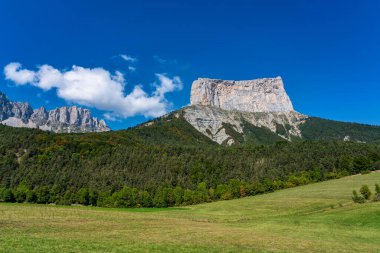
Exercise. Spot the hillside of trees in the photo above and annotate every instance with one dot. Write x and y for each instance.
(164, 164)
(322, 129)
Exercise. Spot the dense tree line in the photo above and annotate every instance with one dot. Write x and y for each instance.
(165, 164)
(160, 197)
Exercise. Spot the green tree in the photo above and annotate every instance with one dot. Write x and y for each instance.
(222, 191)
(31, 197)
(234, 188)
(68, 197)
(105, 199)
(8, 195)
(377, 188)
(356, 198)
(377, 194)
(178, 195)
(55, 193)
(145, 199)
(188, 197)
(365, 191)
(126, 197)
(42, 194)
(346, 163)
(362, 164)
(21, 192)
(93, 197)
(202, 193)
(83, 196)
(160, 198)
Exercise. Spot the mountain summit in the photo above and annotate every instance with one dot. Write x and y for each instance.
(223, 110)
(259, 95)
(60, 120)
(255, 112)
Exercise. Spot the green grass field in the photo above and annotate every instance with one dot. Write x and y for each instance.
(314, 218)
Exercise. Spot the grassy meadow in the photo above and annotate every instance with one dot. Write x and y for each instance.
(319, 217)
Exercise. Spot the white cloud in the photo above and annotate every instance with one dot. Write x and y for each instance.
(166, 85)
(98, 88)
(47, 77)
(131, 60)
(20, 76)
(128, 58)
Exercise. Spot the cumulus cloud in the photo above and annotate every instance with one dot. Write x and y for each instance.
(166, 85)
(98, 88)
(20, 76)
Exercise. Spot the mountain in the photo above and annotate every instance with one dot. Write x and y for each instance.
(259, 112)
(219, 147)
(60, 120)
(259, 95)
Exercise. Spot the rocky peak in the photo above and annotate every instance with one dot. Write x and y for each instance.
(259, 95)
(19, 110)
(63, 119)
(22, 111)
(223, 109)
(5, 107)
(40, 116)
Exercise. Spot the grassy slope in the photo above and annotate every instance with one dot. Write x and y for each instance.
(314, 218)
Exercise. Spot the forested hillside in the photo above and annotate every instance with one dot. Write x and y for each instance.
(322, 129)
(163, 164)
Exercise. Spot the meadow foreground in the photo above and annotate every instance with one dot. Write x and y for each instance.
(319, 217)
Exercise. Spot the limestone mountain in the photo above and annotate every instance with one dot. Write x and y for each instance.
(223, 109)
(259, 112)
(260, 95)
(60, 120)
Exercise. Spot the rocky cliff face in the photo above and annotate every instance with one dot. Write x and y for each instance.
(61, 120)
(223, 109)
(260, 95)
(222, 125)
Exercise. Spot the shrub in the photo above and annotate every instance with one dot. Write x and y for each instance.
(31, 197)
(365, 191)
(356, 198)
(8, 195)
(20, 194)
(377, 194)
(377, 188)
(376, 165)
(42, 194)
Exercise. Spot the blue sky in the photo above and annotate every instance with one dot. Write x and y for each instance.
(327, 52)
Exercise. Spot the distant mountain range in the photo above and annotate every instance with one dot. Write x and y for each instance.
(60, 120)
(235, 137)
(225, 112)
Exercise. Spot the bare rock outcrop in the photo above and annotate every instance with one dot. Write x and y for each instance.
(260, 95)
(212, 121)
(60, 120)
(219, 104)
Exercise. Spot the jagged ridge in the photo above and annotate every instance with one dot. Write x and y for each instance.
(60, 120)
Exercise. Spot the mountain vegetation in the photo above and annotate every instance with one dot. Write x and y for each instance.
(314, 218)
(322, 129)
(166, 162)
